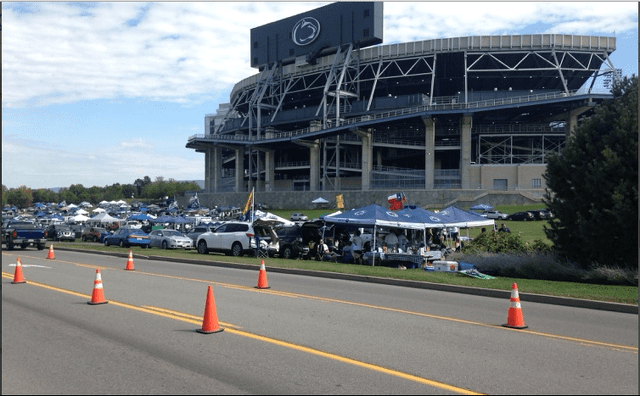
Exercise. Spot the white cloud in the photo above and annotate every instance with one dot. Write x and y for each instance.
(183, 52)
(136, 143)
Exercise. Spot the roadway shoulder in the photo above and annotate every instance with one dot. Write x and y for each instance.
(478, 291)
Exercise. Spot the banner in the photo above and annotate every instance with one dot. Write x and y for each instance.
(339, 201)
(396, 201)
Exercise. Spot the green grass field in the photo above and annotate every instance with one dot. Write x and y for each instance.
(619, 294)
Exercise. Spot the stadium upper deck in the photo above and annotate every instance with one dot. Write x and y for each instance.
(466, 112)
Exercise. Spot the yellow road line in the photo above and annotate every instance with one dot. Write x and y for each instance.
(186, 315)
(197, 321)
(633, 349)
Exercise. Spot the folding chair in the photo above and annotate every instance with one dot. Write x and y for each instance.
(261, 251)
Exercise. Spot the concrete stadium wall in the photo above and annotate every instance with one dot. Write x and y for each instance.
(433, 199)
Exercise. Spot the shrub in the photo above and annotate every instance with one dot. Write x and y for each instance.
(544, 265)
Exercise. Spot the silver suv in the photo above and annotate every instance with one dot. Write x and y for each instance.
(494, 214)
(231, 238)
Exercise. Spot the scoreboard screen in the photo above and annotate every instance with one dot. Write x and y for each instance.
(303, 37)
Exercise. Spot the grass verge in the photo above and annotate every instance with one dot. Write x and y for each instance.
(617, 294)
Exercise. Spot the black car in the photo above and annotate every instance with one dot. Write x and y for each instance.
(522, 216)
(61, 232)
(541, 214)
(294, 239)
(78, 229)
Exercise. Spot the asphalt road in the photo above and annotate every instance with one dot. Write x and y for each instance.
(303, 335)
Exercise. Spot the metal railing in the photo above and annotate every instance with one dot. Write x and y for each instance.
(390, 114)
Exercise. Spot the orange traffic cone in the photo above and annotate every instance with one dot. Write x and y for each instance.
(130, 262)
(51, 255)
(262, 277)
(98, 292)
(514, 318)
(210, 321)
(17, 277)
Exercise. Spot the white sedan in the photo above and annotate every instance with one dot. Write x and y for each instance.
(298, 217)
(169, 239)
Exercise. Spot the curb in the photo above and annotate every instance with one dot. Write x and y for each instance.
(477, 291)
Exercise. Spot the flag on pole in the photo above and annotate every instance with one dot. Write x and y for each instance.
(339, 201)
(249, 200)
(396, 201)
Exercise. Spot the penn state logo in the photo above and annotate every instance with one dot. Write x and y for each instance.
(306, 31)
(434, 218)
(392, 214)
(360, 213)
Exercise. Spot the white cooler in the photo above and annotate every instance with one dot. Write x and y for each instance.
(445, 266)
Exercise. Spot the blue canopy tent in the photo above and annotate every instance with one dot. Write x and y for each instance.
(374, 216)
(481, 207)
(140, 217)
(163, 219)
(427, 218)
(456, 217)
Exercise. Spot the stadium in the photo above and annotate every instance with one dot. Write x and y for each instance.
(334, 111)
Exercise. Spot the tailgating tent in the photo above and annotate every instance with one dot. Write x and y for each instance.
(139, 217)
(103, 218)
(79, 218)
(164, 219)
(481, 207)
(427, 218)
(456, 217)
(372, 216)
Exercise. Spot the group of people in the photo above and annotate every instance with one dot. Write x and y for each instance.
(350, 249)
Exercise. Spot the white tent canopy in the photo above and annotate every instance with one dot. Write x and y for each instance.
(320, 200)
(79, 218)
(103, 218)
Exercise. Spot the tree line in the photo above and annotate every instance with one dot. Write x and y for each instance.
(144, 189)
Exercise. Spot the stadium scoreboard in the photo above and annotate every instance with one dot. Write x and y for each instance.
(304, 37)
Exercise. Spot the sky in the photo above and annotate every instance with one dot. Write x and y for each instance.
(109, 92)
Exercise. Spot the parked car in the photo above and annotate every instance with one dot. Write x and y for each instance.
(199, 230)
(294, 239)
(61, 232)
(541, 214)
(232, 238)
(95, 234)
(298, 217)
(169, 239)
(522, 216)
(23, 234)
(78, 229)
(126, 237)
(494, 214)
(133, 224)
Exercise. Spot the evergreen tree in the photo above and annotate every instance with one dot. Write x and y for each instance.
(592, 185)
